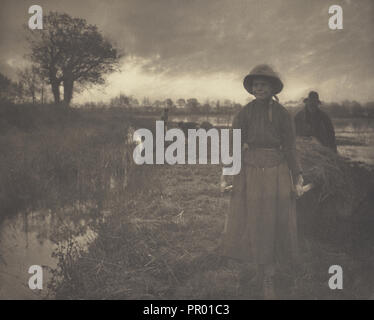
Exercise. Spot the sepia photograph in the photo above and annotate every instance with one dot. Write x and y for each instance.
(206, 150)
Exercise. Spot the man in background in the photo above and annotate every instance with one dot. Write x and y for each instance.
(313, 122)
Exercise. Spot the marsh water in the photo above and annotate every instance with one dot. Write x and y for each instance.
(32, 238)
(355, 137)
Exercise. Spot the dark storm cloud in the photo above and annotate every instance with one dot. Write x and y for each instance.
(198, 37)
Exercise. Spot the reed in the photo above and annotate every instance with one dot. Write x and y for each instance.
(53, 157)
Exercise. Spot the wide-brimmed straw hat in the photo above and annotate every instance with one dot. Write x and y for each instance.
(263, 71)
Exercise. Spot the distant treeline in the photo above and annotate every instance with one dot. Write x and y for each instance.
(345, 109)
(25, 91)
(349, 109)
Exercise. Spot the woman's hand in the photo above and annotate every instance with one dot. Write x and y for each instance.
(300, 180)
(223, 183)
(299, 185)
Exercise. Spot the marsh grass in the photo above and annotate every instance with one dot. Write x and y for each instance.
(164, 243)
(52, 157)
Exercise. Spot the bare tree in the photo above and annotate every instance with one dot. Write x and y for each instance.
(68, 50)
(31, 82)
(9, 90)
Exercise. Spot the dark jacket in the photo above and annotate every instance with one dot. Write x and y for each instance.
(318, 125)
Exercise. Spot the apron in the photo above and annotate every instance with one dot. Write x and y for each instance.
(261, 225)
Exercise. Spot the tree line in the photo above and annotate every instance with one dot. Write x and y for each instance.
(190, 104)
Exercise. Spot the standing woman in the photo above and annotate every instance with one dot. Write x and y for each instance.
(261, 226)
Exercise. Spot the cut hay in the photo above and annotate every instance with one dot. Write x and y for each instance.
(338, 181)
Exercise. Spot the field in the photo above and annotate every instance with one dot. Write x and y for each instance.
(164, 243)
(160, 238)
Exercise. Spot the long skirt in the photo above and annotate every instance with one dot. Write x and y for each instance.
(261, 225)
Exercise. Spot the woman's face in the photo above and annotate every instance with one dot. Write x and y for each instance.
(262, 89)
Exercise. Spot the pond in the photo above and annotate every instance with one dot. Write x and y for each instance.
(355, 139)
(31, 238)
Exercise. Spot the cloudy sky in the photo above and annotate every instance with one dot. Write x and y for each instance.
(204, 48)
